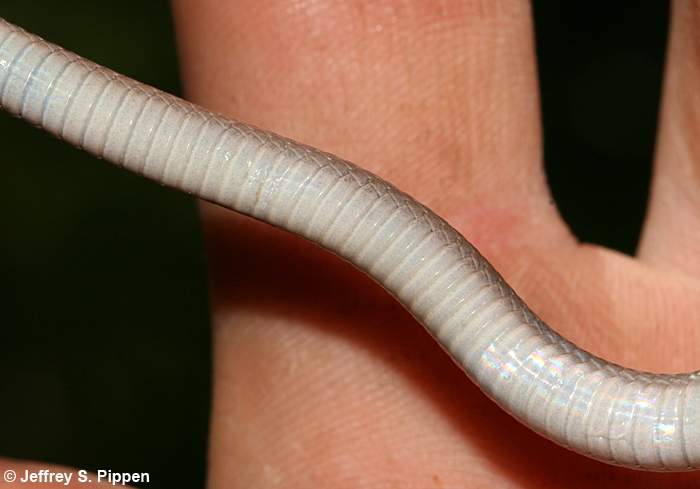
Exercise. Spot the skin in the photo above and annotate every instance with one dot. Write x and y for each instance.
(439, 98)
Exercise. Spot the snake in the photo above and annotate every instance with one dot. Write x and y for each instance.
(589, 405)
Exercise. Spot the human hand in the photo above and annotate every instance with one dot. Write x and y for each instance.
(441, 100)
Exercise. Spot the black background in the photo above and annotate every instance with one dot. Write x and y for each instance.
(104, 337)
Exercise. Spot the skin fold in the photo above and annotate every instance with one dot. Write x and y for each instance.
(440, 99)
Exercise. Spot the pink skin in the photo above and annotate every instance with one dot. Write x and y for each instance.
(439, 98)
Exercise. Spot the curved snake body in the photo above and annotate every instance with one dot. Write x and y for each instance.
(607, 412)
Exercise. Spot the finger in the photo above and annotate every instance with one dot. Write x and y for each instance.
(440, 98)
(671, 235)
(440, 101)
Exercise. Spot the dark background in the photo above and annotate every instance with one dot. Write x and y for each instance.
(104, 332)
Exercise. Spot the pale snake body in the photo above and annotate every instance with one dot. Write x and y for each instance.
(599, 409)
